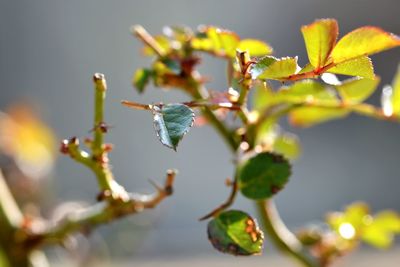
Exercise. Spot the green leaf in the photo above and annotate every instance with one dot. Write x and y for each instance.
(395, 100)
(141, 78)
(235, 232)
(320, 37)
(358, 89)
(255, 47)
(361, 66)
(172, 122)
(288, 145)
(309, 116)
(362, 42)
(173, 65)
(273, 68)
(263, 175)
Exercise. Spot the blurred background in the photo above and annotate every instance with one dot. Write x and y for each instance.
(49, 51)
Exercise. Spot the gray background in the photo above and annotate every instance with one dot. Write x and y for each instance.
(50, 49)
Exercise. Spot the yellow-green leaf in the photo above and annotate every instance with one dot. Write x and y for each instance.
(363, 41)
(255, 47)
(396, 92)
(263, 96)
(141, 78)
(361, 66)
(320, 37)
(380, 230)
(309, 116)
(162, 41)
(306, 91)
(288, 145)
(358, 89)
(273, 68)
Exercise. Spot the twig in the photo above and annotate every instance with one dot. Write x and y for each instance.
(143, 35)
(224, 205)
(104, 212)
(192, 104)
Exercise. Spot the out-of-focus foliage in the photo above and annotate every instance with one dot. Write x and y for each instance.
(307, 95)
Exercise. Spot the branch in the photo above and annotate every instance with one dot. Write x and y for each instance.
(104, 212)
(283, 238)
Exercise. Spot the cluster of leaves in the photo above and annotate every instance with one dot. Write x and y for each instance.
(348, 228)
(308, 95)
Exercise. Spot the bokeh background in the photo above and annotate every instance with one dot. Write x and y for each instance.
(50, 49)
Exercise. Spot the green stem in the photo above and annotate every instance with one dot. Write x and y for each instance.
(198, 92)
(99, 163)
(282, 237)
(11, 220)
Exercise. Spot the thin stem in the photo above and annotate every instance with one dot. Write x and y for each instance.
(198, 92)
(146, 38)
(226, 204)
(281, 235)
(11, 220)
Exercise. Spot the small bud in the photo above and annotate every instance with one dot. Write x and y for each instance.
(73, 141)
(100, 81)
(108, 147)
(64, 147)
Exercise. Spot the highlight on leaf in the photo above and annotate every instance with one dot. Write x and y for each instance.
(172, 122)
(269, 67)
(363, 41)
(357, 90)
(235, 232)
(356, 224)
(320, 37)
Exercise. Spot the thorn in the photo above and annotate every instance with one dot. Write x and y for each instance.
(156, 185)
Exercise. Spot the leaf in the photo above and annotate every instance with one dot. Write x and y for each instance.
(255, 47)
(141, 78)
(162, 41)
(355, 214)
(309, 116)
(396, 92)
(264, 175)
(362, 42)
(172, 122)
(361, 66)
(357, 90)
(262, 97)
(381, 229)
(306, 68)
(216, 40)
(288, 145)
(306, 91)
(320, 37)
(236, 233)
(172, 65)
(273, 68)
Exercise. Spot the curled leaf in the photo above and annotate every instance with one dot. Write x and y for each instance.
(172, 122)
(235, 232)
